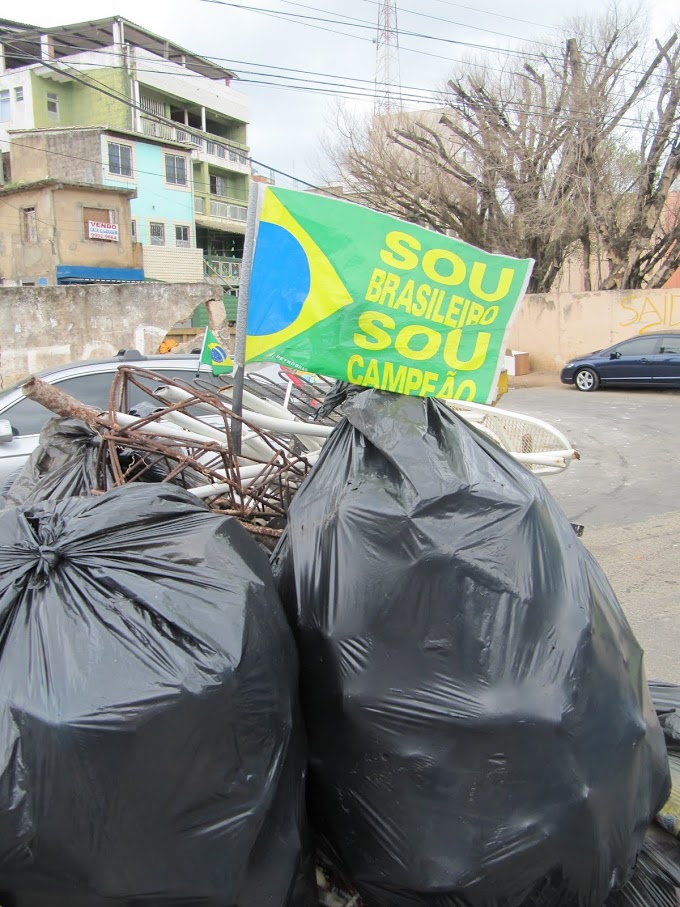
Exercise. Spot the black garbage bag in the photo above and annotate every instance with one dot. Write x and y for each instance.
(478, 720)
(150, 744)
(666, 699)
(63, 465)
(656, 880)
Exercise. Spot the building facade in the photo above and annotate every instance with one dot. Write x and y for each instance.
(55, 232)
(161, 101)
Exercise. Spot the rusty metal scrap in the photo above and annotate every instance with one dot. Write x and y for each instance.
(190, 444)
(58, 402)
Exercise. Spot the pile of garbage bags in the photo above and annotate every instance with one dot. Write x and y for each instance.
(150, 738)
(431, 671)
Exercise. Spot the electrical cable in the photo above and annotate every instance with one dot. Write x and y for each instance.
(357, 93)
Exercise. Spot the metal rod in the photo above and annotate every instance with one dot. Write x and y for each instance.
(242, 311)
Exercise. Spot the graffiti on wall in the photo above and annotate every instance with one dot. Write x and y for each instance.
(650, 313)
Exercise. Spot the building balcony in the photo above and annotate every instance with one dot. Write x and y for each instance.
(205, 147)
(223, 268)
(220, 212)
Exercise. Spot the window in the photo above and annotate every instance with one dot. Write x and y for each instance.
(19, 94)
(182, 237)
(28, 417)
(175, 169)
(5, 110)
(29, 225)
(133, 230)
(157, 234)
(120, 159)
(641, 346)
(218, 185)
(52, 106)
(100, 224)
(670, 345)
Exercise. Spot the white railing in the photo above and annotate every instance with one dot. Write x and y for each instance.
(226, 270)
(225, 153)
(152, 105)
(230, 212)
(188, 137)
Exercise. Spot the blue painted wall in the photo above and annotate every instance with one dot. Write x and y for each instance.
(155, 199)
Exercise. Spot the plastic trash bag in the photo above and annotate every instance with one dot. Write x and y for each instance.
(656, 880)
(479, 725)
(150, 744)
(63, 465)
(666, 699)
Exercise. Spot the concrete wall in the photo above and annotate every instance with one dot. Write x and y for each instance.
(21, 112)
(42, 327)
(172, 264)
(61, 235)
(73, 156)
(157, 200)
(74, 247)
(30, 261)
(84, 105)
(555, 327)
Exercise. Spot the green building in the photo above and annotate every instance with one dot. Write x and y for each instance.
(114, 74)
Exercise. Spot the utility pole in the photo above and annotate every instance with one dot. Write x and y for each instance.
(387, 76)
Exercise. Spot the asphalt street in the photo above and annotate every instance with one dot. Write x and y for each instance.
(626, 492)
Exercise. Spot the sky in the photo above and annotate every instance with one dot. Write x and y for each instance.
(252, 37)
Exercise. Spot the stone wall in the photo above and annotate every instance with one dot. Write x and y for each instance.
(41, 327)
(556, 327)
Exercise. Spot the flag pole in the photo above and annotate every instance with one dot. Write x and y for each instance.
(200, 355)
(242, 311)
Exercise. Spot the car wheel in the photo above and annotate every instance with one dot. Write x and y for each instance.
(586, 380)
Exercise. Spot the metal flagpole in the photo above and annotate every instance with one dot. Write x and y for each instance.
(200, 355)
(254, 202)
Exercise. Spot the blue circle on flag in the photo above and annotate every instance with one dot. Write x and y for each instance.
(217, 355)
(280, 280)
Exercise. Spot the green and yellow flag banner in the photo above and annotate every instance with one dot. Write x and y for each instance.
(343, 291)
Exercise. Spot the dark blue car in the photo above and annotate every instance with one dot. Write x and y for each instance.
(649, 360)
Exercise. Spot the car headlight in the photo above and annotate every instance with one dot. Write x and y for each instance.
(569, 364)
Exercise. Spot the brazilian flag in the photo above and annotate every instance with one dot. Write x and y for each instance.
(340, 290)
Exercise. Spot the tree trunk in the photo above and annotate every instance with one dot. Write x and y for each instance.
(586, 247)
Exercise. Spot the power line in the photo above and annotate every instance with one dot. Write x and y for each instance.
(476, 9)
(366, 25)
(103, 89)
(403, 9)
(358, 92)
(417, 94)
(348, 91)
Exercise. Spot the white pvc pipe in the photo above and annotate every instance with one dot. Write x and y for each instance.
(309, 429)
(551, 458)
(286, 424)
(160, 428)
(248, 475)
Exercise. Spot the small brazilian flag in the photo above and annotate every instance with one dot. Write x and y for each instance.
(214, 354)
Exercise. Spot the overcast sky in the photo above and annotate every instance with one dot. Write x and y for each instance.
(287, 125)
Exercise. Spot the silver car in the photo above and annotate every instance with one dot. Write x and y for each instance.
(22, 420)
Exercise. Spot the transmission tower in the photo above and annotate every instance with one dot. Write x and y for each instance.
(387, 76)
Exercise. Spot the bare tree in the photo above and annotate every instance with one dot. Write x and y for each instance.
(528, 159)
